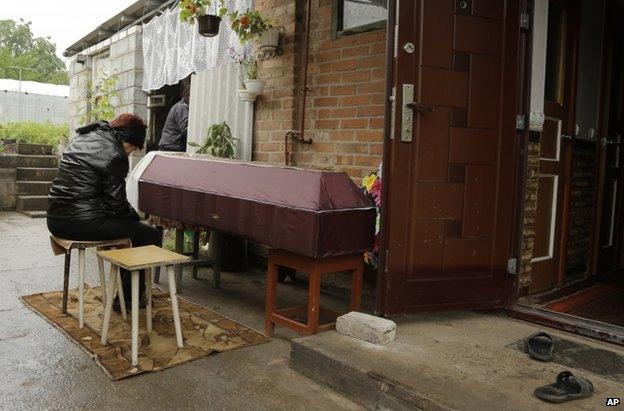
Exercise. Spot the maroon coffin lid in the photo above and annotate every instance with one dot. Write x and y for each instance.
(314, 213)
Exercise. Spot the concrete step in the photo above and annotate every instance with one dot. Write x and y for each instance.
(34, 214)
(33, 188)
(36, 174)
(27, 160)
(364, 386)
(23, 148)
(32, 203)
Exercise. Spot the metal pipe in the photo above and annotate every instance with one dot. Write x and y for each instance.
(299, 135)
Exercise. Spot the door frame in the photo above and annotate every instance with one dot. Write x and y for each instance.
(601, 166)
(522, 60)
(567, 146)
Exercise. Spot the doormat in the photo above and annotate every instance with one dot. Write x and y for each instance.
(607, 364)
(204, 331)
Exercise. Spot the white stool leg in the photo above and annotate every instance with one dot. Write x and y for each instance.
(174, 304)
(148, 297)
(81, 279)
(102, 280)
(122, 298)
(135, 317)
(110, 295)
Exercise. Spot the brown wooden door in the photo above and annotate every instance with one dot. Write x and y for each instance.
(449, 214)
(610, 193)
(555, 149)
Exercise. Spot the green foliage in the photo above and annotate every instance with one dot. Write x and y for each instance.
(100, 99)
(34, 133)
(36, 55)
(219, 141)
(248, 25)
(190, 10)
(251, 69)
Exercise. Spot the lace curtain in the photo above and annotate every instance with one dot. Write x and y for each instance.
(173, 49)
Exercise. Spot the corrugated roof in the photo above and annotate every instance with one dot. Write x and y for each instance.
(34, 87)
(118, 22)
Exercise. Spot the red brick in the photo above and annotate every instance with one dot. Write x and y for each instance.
(371, 111)
(326, 124)
(372, 61)
(377, 123)
(355, 51)
(342, 65)
(343, 135)
(325, 147)
(354, 123)
(327, 56)
(369, 135)
(343, 90)
(327, 79)
(372, 87)
(379, 48)
(356, 76)
(354, 101)
(326, 102)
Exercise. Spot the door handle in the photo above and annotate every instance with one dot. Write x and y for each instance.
(409, 107)
(420, 107)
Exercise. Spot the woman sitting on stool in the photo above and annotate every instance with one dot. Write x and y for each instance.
(88, 201)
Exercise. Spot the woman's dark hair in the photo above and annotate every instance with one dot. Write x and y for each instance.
(130, 128)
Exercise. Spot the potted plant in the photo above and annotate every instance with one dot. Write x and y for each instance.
(248, 25)
(252, 83)
(219, 141)
(196, 10)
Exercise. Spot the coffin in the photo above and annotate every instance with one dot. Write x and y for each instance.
(314, 213)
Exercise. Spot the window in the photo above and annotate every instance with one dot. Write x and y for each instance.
(357, 16)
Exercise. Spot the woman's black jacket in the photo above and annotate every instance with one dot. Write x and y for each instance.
(90, 182)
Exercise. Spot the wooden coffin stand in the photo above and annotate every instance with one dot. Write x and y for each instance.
(316, 222)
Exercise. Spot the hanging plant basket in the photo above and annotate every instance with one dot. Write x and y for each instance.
(208, 25)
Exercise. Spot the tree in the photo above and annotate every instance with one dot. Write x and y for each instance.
(18, 48)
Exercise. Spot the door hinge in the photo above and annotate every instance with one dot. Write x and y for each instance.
(520, 122)
(512, 266)
(525, 22)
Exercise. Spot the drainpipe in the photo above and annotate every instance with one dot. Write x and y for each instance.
(299, 135)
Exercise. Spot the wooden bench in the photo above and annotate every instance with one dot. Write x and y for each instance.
(133, 260)
(315, 268)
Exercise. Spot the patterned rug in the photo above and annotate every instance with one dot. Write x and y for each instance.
(204, 332)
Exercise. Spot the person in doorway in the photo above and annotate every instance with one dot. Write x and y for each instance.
(87, 200)
(174, 134)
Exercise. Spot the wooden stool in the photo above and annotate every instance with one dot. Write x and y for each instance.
(315, 269)
(133, 260)
(62, 246)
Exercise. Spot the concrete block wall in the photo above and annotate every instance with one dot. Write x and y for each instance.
(126, 61)
(345, 106)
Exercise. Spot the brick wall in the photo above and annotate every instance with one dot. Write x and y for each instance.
(346, 91)
(581, 208)
(530, 207)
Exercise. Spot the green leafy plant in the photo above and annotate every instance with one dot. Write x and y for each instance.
(219, 141)
(33, 133)
(248, 25)
(100, 98)
(251, 69)
(191, 10)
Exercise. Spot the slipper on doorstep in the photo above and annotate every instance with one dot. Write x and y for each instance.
(567, 388)
(540, 346)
